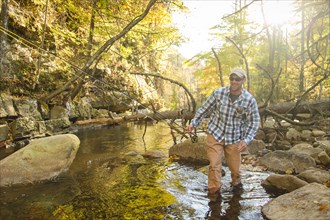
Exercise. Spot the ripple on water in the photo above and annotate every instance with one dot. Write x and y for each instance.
(189, 186)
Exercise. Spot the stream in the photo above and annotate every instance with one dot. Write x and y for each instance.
(109, 179)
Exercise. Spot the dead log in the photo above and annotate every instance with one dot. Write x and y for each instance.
(175, 114)
(312, 107)
(315, 107)
(100, 121)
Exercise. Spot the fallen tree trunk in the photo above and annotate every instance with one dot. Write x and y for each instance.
(314, 107)
(101, 121)
(175, 114)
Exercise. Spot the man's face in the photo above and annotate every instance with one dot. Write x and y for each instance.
(236, 83)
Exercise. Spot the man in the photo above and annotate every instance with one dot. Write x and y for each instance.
(233, 123)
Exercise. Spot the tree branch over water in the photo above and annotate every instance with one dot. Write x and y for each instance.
(172, 81)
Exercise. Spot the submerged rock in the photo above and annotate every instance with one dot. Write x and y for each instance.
(154, 154)
(42, 159)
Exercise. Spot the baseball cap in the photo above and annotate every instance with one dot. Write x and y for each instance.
(239, 72)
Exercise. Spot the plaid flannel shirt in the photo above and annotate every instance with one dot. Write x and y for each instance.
(232, 122)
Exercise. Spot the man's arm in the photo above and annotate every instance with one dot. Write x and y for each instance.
(204, 110)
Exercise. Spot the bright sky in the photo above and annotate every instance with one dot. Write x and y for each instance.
(196, 25)
(207, 13)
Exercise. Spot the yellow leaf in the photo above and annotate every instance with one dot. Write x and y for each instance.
(324, 207)
(289, 172)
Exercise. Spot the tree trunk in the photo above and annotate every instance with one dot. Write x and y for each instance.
(81, 80)
(91, 28)
(36, 82)
(3, 36)
(302, 42)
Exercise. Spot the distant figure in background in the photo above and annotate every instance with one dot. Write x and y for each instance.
(233, 123)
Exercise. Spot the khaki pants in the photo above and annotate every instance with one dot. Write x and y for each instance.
(215, 152)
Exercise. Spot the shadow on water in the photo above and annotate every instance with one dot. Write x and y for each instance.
(108, 181)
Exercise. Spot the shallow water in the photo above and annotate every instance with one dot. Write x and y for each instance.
(104, 183)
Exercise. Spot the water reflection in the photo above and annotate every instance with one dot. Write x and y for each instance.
(216, 210)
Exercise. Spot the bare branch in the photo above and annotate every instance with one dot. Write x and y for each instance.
(219, 67)
(245, 62)
(309, 32)
(274, 83)
(236, 12)
(307, 91)
(193, 102)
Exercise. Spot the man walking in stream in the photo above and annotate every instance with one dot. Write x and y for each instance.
(233, 123)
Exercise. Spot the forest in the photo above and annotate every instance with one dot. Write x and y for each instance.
(55, 51)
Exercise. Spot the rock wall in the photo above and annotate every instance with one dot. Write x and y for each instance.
(22, 119)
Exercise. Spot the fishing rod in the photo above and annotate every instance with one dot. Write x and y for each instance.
(193, 135)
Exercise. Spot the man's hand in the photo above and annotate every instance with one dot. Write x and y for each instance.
(241, 146)
(190, 128)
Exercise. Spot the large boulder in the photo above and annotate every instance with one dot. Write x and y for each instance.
(25, 127)
(318, 133)
(305, 148)
(281, 145)
(324, 144)
(324, 158)
(58, 112)
(42, 159)
(7, 108)
(308, 202)
(293, 135)
(190, 151)
(256, 146)
(315, 175)
(285, 161)
(116, 102)
(27, 108)
(59, 119)
(196, 152)
(4, 131)
(84, 108)
(282, 183)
